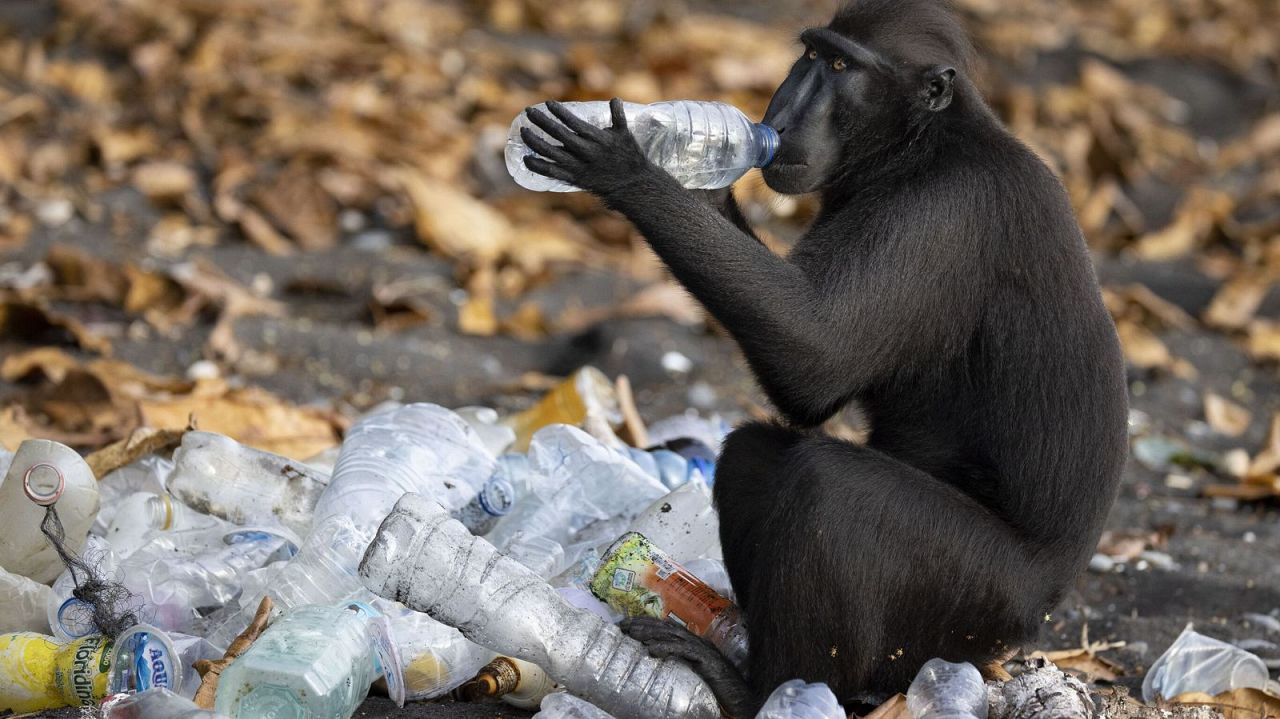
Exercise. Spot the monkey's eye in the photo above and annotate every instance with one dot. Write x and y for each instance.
(813, 54)
(838, 64)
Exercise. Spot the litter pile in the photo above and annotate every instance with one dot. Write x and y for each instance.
(435, 552)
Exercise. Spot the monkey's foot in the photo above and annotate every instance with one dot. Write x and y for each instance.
(663, 639)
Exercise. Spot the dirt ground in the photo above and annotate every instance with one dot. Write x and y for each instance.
(1224, 555)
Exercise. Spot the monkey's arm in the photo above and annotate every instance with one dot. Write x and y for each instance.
(723, 201)
(811, 344)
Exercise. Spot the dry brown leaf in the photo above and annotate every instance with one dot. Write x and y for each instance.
(1264, 340)
(82, 277)
(261, 232)
(140, 443)
(1085, 662)
(476, 316)
(1128, 545)
(404, 303)
(51, 362)
(164, 180)
(35, 322)
(1268, 460)
(526, 323)
(1237, 703)
(296, 202)
(1225, 416)
(15, 427)
(452, 222)
(1142, 348)
(1235, 304)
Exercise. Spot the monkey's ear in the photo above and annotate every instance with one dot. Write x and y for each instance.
(937, 87)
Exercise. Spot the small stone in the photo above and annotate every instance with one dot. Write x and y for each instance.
(1101, 563)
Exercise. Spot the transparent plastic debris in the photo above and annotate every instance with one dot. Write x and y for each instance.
(797, 699)
(491, 503)
(315, 661)
(191, 649)
(1163, 454)
(155, 704)
(149, 474)
(562, 705)
(37, 672)
(714, 573)
(140, 515)
(68, 617)
(709, 431)
(420, 448)
(577, 481)
(436, 658)
(671, 468)
(947, 690)
(430, 562)
(639, 579)
(1196, 663)
(497, 437)
(587, 399)
(22, 604)
(519, 683)
(323, 572)
(53, 473)
(703, 145)
(683, 523)
(217, 475)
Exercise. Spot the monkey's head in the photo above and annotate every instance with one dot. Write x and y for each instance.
(864, 85)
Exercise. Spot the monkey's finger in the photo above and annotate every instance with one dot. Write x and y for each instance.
(548, 169)
(619, 112)
(575, 123)
(558, 131)
(543, 147)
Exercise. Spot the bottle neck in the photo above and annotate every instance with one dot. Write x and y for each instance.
(768, 140)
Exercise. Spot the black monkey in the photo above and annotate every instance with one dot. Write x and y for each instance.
(946, 288)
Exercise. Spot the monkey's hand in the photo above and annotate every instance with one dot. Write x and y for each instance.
(663, 640)
(604, 161)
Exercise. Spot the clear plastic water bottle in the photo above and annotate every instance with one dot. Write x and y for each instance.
(430, 562)
(797, 700)
(683, 523)
(315, 661)
(704, 145)
(158, 703)
(22, 603)
(945, 690)
(40, 473)
(561, 705)
(142, 514)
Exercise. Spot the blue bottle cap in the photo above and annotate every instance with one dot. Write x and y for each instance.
(769, 141)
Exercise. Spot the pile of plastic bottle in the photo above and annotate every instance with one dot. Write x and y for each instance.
(532, 534)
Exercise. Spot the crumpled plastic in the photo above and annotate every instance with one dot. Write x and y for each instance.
(1196, 663)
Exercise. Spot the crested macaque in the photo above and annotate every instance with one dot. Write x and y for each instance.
(945, 288)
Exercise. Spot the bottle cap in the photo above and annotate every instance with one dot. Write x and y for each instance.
(769, 141)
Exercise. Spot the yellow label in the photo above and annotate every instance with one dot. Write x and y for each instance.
(38, 673)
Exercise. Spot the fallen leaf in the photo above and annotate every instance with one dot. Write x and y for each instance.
(36, 323)
(476, 316)
(1235, 304)
(1264, 340)
(452, 222)
(140, 443)
(1142, 348)
(14, 427)
(1243, 703)
(164, 180)
(1085, 662)
(251, 416)
(1225, 416)
(1128, 545)
(894, 708)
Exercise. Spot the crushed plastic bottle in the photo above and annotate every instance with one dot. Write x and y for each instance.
(673, 469)
(154, 704)
(492, 503)
(562, 705)
(946, 690)
(217, 475)
(435, 658)
(141, 514)
(703, 145)
(497, 437)
(22, 603)
(51, 473)
(421, 448)
(430, 562)
(149, 474)
(639, 579)
(797, 699)
(683, 523)
(315, 662)
(1196, 663)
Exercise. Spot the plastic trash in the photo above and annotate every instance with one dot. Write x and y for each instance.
(38, 673)
(562, 705)
(68, 617)
(50, 472)
(323, 572)
(709, 432)
(139, 515)
(217, 475)
(515, 681)
(315, 661)
(946, 690)
(435, 658)
(1196, 663)
(431, 563)
(639, 579)
(421, 448)
(704, 145)
(797, 699)
(22, 604)
(683, 523)
(497, 437)
(154, 704)
(671, 468)
(586, 399)
(492, 503)
(149, 474)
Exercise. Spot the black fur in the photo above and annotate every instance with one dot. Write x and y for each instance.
(946, 288)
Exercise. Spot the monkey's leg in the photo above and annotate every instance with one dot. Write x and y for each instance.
(858, 568)
(665, 639)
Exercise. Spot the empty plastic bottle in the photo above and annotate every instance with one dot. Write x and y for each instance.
(683, 523)
(141, 514)
(797, 700)
(41, 473)
(704, 145)
(217, 475)
(22, 603)
(562, 705)
(1196, 663)
(945, 690)
(431, 563)
(515, 681)
(315, 662)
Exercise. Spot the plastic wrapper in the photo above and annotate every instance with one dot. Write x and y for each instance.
(798, 700)
(946, 690)
(420, 448)
(1196, 663)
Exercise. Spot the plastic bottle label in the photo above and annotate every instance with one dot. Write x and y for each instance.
(386, 652)
(638, 579)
